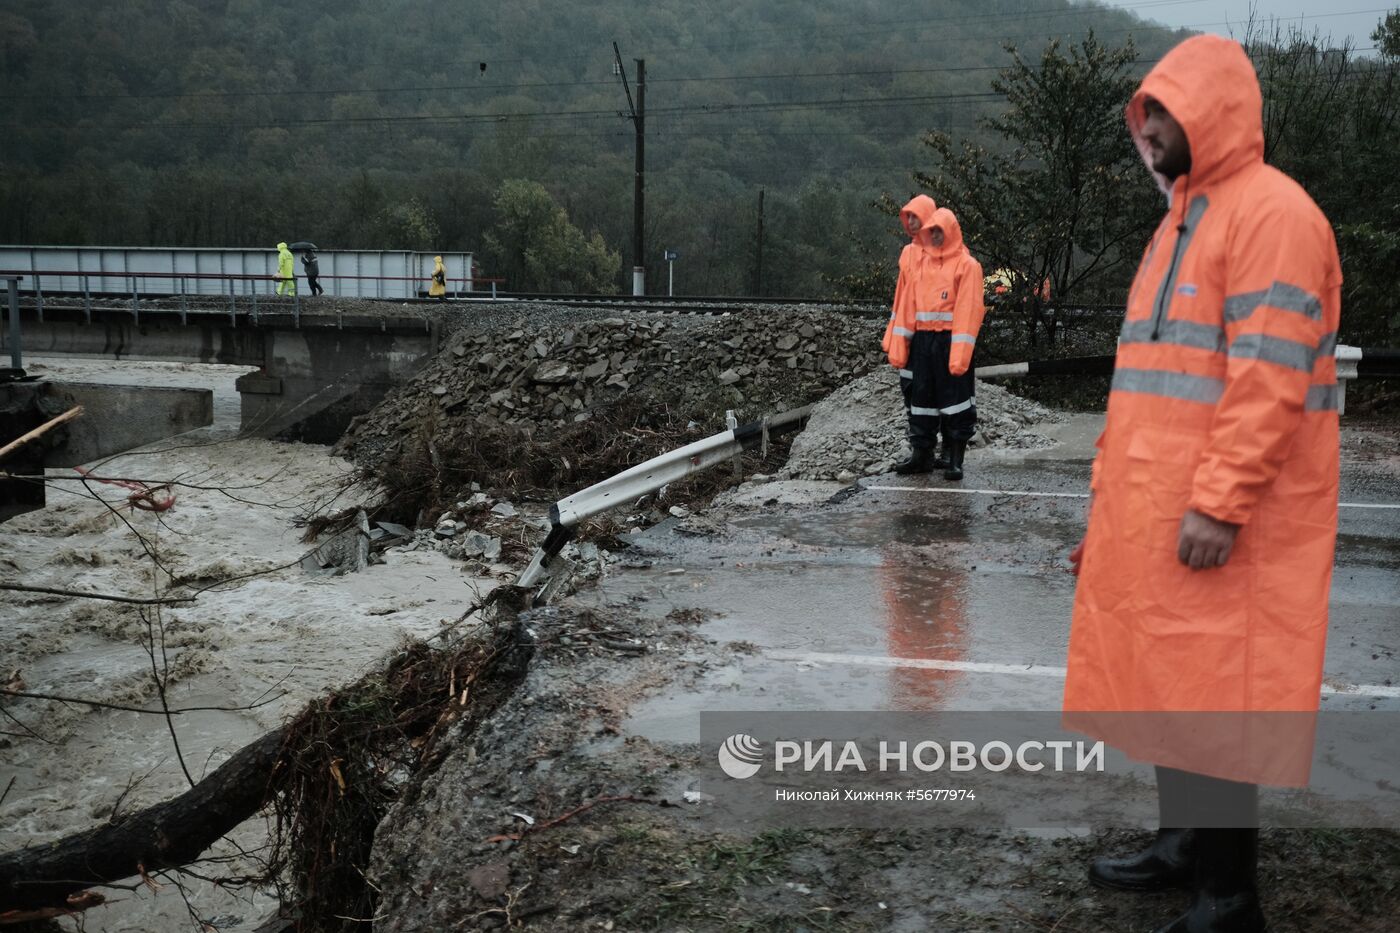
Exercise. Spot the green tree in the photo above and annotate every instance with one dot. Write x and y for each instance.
(535, 248)
(409, 225)
(1065, 197)
(1332, 122)
(1387, 35)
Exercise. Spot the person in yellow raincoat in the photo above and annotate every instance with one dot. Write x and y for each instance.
(438, 289)
(286, 271)
(1200, 617)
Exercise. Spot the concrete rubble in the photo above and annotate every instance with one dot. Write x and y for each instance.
(860, 429)
(545, 368)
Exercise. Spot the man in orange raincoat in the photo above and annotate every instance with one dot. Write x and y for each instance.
(938, 310)
(1201, 607)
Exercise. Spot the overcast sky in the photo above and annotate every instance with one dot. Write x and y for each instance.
(1340, 18)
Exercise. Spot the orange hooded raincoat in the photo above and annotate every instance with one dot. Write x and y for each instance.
(939, 288)
(1224, 400)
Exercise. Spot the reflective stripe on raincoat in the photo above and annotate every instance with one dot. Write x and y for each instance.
(1224, 400)
(940, 288)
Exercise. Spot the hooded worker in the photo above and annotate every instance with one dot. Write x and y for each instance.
(938, 309)
(1200, 618)
(286, 272)
(438, 289)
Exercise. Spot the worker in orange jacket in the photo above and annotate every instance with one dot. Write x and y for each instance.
(938, 310)
(1200, 617)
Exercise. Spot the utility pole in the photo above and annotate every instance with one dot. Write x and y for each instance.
(758, 265)
(638, 117)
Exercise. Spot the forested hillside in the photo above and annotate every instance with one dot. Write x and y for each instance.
(395, 124)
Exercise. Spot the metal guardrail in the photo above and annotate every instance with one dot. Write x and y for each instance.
(358, 273)
(184, 293)
(1352, 363)
(629, 485)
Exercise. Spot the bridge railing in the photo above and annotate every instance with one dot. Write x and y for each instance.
(188, 286)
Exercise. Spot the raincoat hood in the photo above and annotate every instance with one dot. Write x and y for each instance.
(953, 244)
(1208, 85)
(922, 207)
(282, 247)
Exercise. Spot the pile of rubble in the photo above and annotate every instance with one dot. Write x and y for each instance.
(553, 369)
(493, 537)
(860, 429)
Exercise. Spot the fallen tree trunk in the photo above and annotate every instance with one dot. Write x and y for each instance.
(167, 835)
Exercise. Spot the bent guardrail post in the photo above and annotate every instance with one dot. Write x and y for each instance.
(566, 514)
(1348, 360)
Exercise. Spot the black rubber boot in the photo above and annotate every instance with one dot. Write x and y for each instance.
(920, 460)
(940, 460)
(1225, 896)
(1167, 863)
(956, 449)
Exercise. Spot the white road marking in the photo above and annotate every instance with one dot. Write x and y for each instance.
(946, 490)
(981, 492)
(1032, 670)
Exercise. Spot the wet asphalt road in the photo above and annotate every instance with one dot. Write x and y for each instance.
(912, 599)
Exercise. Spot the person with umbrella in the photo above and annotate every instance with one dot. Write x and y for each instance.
(312, 266)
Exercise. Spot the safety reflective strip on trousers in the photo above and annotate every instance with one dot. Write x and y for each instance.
(1184, 233)
(906, 374)
(951, 410)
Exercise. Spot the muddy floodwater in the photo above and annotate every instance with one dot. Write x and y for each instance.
(277, 638)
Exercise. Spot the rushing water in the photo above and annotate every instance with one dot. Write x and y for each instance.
(283, 636)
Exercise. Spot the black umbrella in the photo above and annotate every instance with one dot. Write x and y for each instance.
(301, 245)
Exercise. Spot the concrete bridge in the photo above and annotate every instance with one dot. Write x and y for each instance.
(315, 371)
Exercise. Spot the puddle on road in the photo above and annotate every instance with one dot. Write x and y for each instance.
(952, 519)
(898, 582)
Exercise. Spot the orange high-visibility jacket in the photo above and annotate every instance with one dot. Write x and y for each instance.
(1224, 400)
(910, 291)
(940, 288)
(960, 298)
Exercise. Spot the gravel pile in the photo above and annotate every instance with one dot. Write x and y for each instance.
(540, 368)
(860, 429)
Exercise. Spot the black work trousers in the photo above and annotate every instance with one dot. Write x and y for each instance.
(313, 283)
(936, 400)
(1187, 800)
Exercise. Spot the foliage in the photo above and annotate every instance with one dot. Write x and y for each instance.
(371, 125)
(1064, 197)
(534, 246)
(1332, 122)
